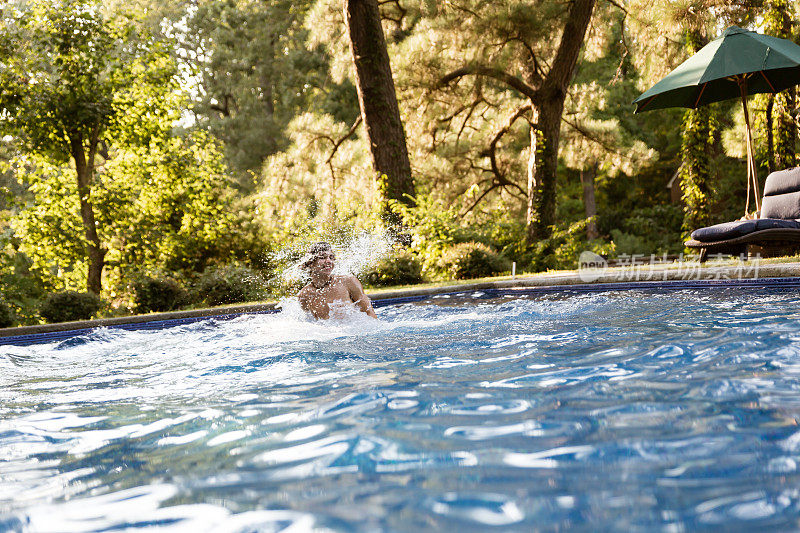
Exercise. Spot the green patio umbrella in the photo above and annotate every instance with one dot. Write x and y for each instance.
(738, 63)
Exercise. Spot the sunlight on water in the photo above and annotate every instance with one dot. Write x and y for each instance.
(614, 411)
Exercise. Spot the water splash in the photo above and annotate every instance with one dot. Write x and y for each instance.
(362, 253)
(355, 254)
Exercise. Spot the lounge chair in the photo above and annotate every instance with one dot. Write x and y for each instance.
(776, 231)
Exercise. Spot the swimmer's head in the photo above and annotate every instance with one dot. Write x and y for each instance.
(316, 251)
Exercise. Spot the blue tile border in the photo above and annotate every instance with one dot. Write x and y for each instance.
(54, 336)
(768, 283)
(486, 292)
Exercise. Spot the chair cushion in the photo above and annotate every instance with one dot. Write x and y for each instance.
(786, 205)
(782, 181)
(740, 228)
(782, 194)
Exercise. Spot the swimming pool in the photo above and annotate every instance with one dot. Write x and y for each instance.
(617, 410)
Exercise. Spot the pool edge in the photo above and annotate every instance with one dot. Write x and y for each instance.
(786, 274)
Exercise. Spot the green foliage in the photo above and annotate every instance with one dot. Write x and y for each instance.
(698, 136)
(311, 180)
(7, 318)
(468, 260)
(435, 227)
(257, 74)
(49, 229)
(179, 200)
(400, 268)
(563, 248)
(70, 305)
(629, 244)
(699, 127)
(272, 82)
(230, 284)
(79, 81)
(778, 22)
(158, 294)
(645, 230)
(169, 206)
(19, 287)
(72, 71)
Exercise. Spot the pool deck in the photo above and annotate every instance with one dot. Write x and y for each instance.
(645, 273)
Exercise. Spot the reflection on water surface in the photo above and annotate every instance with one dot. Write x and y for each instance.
(629, 410)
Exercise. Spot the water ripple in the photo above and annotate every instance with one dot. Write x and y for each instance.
(614, 411)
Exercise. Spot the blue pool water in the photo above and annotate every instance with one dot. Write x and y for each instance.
(630, 410)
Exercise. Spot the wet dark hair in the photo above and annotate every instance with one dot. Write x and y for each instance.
(314, 251)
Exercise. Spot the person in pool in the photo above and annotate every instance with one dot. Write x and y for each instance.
(325, 288)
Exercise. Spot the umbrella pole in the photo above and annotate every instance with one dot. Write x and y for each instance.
(751, 164)
(747, 202)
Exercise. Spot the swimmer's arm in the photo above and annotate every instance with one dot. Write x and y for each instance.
(359, 297)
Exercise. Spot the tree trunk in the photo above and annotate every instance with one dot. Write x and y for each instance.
(547, 109)
(268, 88)
(542, 167)
(378, 102)
(84, 168)
(587, 180)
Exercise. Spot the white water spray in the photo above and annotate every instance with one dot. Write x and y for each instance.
(355, 254)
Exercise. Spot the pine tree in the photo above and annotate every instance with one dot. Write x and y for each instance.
(501, 62)
(378, 102)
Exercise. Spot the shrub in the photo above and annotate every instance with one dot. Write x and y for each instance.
(472, 260)
(70, 305)
(230, 284)
(20, 288)
(646, 230)
(563, 248)
(158, 294)
(7, 318)
(628, 244)
(402, 268)
(435, 225)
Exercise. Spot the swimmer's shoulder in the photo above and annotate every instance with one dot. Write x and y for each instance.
(349, 281)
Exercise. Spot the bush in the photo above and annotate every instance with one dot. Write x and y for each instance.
(20, 288)
(563, 248)
(230, 284)
(7, 318)
(402, 268)
(646, 230)
(158, 294)
(70, 305)
(437, 225)
(472, 260)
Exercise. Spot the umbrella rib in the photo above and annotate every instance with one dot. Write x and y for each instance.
(646, 103)
(767, 80)
(699, 96)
